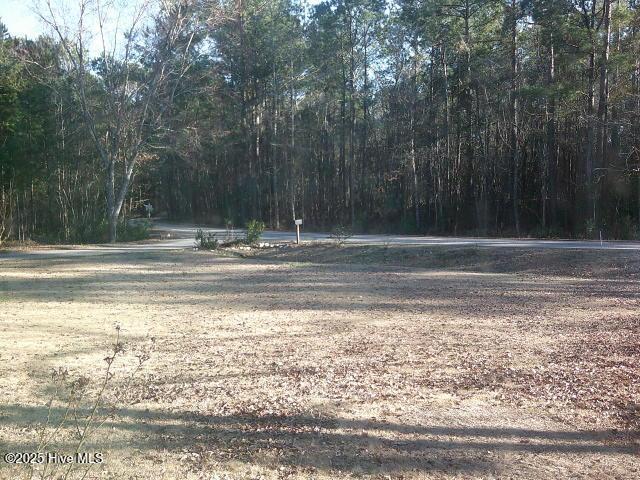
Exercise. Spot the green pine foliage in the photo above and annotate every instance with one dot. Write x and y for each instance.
(480, 117)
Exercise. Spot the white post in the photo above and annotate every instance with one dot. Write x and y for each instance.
(298, 223)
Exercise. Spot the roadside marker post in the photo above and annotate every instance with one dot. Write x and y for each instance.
(298, 223)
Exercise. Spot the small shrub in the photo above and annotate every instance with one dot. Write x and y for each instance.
(230, 233)
(540, 231)
(96, 230)
(341, 234)
(6, 216)
(255, 229)
(206, 240)
(88, 230)
(590, 229)
(625, 229)
(79, 407)
(134, 231)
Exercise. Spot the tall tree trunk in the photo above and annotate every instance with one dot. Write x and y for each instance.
(603, 99)
(515, 160)
(591, 25)
(274, 161)
(292, 143)
(551, 137)
(352, 119)
(414, 170)
(343, 128)
(414, 167)
(112, 216)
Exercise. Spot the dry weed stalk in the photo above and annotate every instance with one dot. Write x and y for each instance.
(100, 409)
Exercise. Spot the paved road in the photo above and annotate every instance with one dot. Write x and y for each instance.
(189, 231)
(181, 236)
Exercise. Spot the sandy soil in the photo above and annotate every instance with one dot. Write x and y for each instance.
(270, 367)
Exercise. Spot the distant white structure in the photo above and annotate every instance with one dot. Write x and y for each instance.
(149, 209)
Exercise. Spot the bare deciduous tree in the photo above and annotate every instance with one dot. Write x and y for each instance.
(125, 77)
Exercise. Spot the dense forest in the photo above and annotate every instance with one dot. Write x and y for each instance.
(510, 117)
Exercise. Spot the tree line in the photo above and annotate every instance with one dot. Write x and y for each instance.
(511, 117)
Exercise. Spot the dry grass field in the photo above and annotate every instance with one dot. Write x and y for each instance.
(328, 363)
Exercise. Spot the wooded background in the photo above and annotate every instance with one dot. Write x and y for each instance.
(439, 116)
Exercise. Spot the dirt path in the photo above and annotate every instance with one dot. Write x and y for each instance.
(278, 369)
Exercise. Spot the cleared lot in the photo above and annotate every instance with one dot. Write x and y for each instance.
(392, 364)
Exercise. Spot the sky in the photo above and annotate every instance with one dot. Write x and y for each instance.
(21, 21)
(19, 18)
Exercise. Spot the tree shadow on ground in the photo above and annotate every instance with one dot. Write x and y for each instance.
(330, 443)
(304, 286)
(304, 440)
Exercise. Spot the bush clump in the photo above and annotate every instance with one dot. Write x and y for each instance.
(206, 240)
(96, 230)
(341, 234)
(255, 229)
(131, 231)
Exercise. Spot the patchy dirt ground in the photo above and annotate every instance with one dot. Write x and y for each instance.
(461, 364)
